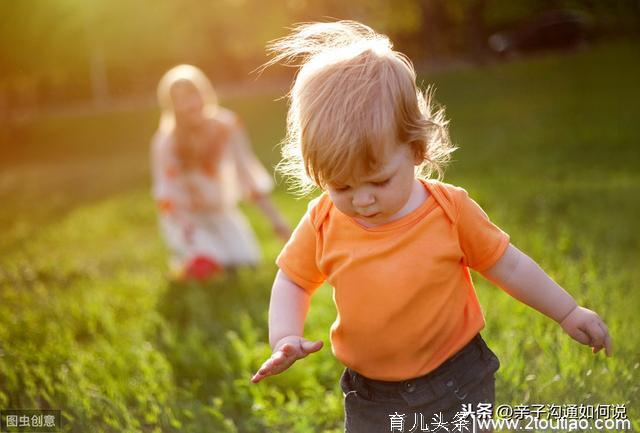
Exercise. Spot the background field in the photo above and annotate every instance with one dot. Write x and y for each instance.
(90, 325)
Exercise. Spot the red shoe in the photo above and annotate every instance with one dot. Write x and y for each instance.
(201, 268)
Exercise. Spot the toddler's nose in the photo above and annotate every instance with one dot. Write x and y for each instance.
(362, 199)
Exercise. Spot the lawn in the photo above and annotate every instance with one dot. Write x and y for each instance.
(90, 325)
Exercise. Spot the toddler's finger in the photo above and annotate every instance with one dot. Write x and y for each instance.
(596, 334)
(608, 346)
(278, 357)
(258, 376)
(262, 373)
(608, 343)
(580, 336)
(311, 346)
(267, 369)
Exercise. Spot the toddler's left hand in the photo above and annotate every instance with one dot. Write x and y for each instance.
(588, 328)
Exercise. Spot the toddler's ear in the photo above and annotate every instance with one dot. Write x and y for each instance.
(418, 150)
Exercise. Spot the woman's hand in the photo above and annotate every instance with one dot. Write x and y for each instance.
(282, 230)
(588, 328)
(280, 226)
(198, 203)
(287, 351)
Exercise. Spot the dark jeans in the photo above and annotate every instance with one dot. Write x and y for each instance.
(465, 378)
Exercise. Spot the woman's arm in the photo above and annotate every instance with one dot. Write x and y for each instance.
(521, 277)
(287, 313)
(271, 212)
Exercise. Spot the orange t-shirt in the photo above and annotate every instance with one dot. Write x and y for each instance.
(402, 290)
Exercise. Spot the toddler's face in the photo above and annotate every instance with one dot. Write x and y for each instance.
(382, 196)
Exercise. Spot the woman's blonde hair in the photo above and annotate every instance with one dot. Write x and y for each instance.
(195, 77)
(206, 151)
(353, 100)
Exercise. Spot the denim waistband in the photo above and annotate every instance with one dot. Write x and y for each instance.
(435, 382)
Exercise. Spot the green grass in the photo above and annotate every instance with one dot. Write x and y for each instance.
(90, 325)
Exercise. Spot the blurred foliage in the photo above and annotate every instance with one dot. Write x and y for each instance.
(66, 50)
(90, 325)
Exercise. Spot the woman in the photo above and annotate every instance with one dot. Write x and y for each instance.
(202, 166)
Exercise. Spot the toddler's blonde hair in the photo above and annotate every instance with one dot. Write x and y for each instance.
(353, 101)
(197, 79)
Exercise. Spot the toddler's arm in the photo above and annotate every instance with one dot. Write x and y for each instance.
(522, 278)
(287, 312)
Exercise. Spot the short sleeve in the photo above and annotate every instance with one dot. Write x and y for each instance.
(482, 242)
(298, 257)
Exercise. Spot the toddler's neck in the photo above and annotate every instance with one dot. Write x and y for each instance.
(419, 195)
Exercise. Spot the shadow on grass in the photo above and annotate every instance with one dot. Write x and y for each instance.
(211, 330)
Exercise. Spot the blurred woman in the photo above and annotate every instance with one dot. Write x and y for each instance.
(202, 166)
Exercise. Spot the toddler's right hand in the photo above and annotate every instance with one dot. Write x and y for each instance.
(287, 351)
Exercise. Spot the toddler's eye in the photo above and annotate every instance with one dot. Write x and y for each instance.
(340, 188)
(381, 183)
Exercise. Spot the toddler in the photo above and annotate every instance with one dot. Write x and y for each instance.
(396, 246)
